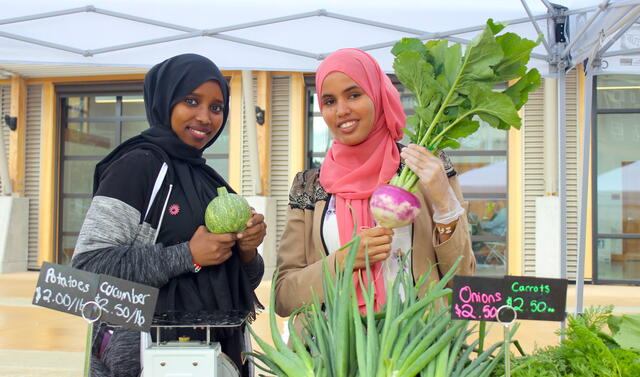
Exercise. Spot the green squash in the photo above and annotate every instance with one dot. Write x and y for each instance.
(227, 213)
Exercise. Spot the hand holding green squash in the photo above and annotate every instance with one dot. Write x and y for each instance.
(227, 213)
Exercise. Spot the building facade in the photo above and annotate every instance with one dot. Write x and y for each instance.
(66, 124)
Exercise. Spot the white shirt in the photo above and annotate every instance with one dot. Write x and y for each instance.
(400, 244)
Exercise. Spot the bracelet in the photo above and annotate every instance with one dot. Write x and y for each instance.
(196, 267)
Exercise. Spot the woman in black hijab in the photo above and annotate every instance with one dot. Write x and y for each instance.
(145, 223)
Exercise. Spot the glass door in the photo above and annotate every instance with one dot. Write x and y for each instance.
(616, 179)
(92, 126)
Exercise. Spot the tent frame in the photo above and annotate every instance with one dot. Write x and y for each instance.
(187, 32)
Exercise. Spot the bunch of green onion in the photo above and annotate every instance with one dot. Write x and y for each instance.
(414, 336)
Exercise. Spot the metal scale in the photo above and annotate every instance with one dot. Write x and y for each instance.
(185, 357)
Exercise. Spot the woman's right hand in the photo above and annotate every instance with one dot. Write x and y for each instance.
(378, 240)
(209, 249)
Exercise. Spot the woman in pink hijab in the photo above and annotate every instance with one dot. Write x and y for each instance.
(363, 111)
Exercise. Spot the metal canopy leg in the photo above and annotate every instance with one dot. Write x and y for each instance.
(562, 171)
(584, 185)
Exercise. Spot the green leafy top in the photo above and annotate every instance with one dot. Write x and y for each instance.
(588, 350)
(452, 88)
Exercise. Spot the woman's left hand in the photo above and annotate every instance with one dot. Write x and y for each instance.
(250, 238)
(430, 170)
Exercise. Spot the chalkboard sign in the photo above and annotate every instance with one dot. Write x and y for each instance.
(479, 298)
(536, 298)
(476, 298)
(126, 303)
(121, 302)
(64, 288)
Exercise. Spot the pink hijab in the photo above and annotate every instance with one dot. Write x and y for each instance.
(353, 172)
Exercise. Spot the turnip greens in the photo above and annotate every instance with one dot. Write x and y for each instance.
(451, 88)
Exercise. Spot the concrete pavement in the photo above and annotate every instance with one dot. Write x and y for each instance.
(36, 341)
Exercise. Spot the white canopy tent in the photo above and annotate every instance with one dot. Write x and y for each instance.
(40, 38)
(71, 36)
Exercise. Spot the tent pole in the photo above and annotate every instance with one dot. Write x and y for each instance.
(632, 51)
(536, 26)
(614, 4)
(562, 170)
(425, 34)
(584, 28)
(586, 152)
(39, 16)
(562, 175)
(40, 42)
(188, 29)
(619, 34)
(548, 5)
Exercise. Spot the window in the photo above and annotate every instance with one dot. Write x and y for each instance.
(318, 136)
(617, 187)
(482, 168)
(481, 163)
(94, 120)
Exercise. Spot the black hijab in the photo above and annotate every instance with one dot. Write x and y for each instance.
(221, 287)
(165, 85)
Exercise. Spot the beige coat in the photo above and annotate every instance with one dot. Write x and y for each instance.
(301, 247)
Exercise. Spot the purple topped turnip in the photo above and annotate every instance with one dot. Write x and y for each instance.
(393, 206)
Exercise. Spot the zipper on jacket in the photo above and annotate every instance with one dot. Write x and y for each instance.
(324, 213)
(164, 208)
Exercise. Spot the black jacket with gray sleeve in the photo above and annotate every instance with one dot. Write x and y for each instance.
(119, 237)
